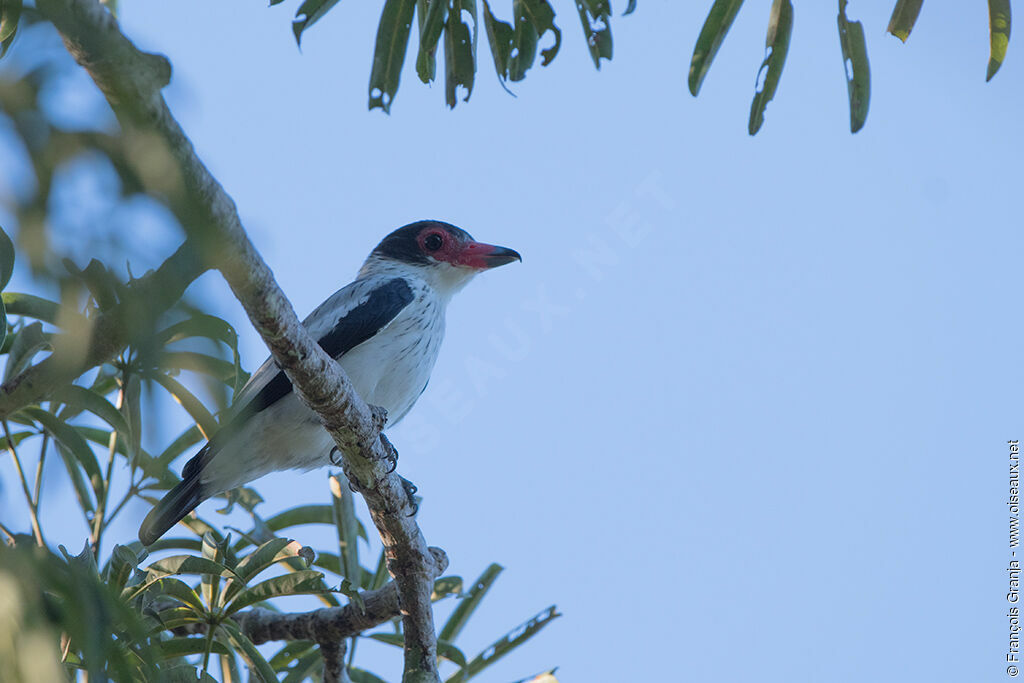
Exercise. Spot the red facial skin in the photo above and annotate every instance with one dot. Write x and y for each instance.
(465, 253)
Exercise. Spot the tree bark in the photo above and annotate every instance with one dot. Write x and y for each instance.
(132, 82)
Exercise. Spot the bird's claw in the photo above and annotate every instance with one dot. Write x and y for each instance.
(410, 492)
(335, 457)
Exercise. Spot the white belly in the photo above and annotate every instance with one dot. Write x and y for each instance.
(391, 370)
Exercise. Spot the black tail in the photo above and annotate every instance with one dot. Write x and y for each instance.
(178, 502)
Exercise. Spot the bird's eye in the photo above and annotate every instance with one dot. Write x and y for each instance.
(433, 242)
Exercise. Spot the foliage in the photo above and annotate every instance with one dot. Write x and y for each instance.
(119, 611)
(150, 613)
(514, 44)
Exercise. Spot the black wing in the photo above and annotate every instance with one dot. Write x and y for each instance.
(352, 329)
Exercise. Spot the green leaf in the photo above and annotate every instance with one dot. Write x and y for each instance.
(999, 34)
(182, 647)
(595, 16)
(542, 17)
(305, 514)
(710, 39)
(856, 67)
(190, 437)
(444, 648)
(217, 330)
(79, 399)
(177, 565)
(459, 52)
(192, 405)
(31, 306)
(202, 363)
(267, 555)
(363, 676)
(389, 53)
(504, 645)
(445, 586)
(524, 43)
(68, 437)
(630, 7)
(308, 663)
(469, 603)
(171, 587)
(296, 583)
(120, 566)
(500, 36)
(780, 27)
(25, 344)
(344, 515)
(431, 15)
(309, 12)
(6, 245)
(381, 575)
(904, 14)
(10, 12)
(257, 664)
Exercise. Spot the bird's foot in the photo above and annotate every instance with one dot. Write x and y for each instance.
(392, 454)
(335, 457)
(410, 492)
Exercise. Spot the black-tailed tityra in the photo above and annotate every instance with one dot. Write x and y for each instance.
(385, 329)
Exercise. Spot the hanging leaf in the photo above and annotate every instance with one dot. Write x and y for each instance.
(855, 65)
(309, 12)
(630, 7)
(389, 53)
(540, 14)
(710, 39)
(524, 44)
(999, 34)
(904, 14)
(500, 36)
(780, 27)
(504, 645)
(594, 16)
(469, 603)
(459, 52)
(431, 15)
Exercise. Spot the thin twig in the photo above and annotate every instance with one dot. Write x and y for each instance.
(32, 509)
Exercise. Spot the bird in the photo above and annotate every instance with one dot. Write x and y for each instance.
(385, 329)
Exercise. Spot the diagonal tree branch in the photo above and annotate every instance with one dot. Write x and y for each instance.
(132, 81)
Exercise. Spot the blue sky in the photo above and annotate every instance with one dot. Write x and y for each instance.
(741, 412)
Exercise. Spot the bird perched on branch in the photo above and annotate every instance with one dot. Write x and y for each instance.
(385, 329)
